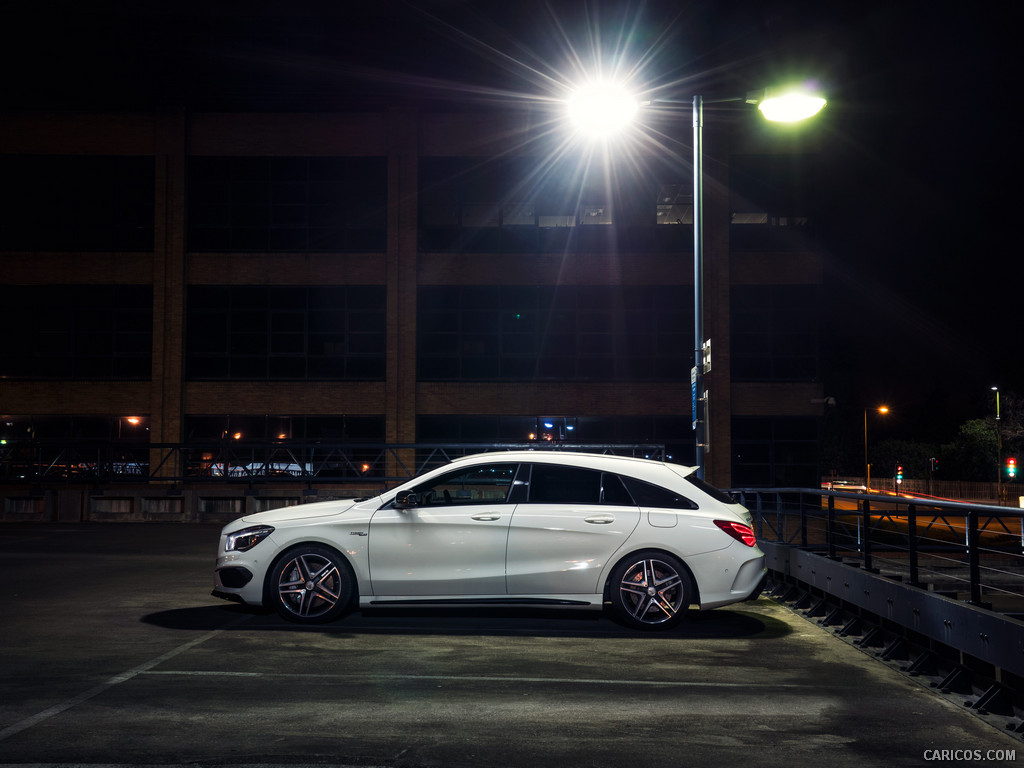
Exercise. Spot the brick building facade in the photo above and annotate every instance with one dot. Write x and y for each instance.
(399, 276)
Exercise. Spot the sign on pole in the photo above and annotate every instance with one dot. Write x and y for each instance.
(693, 395)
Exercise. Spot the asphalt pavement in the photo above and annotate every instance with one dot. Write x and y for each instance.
(114, 653)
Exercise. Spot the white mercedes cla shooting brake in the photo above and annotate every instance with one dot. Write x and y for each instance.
(644, 539)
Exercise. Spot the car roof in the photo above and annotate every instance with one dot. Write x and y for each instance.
(602, 461)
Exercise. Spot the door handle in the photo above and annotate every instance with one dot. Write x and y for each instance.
(485, 516)
(600, 519)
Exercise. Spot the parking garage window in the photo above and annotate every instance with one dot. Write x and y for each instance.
(536, 204)
(775, 451)
(69, 203)
(264, 428)
(287, 204)
(254, 332)
(610, 333)
(774, 332)
(78, 332)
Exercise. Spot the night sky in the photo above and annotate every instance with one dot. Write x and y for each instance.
(918, 212)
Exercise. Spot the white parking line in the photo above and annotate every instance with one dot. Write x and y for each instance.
(46, 714)
(478, 679)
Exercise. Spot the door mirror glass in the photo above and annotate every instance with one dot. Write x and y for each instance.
(407, 500)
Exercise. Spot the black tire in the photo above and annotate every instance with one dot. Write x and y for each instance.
(311, 584)
(650, 590)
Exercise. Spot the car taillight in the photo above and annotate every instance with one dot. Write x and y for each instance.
(739, 531)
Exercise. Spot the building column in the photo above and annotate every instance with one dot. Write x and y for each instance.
(167, 391)
(402, 245)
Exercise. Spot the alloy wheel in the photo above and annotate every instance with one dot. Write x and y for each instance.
(652, 591)
(310, 585)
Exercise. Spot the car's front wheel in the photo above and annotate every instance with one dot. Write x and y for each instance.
(311, 584)
(650, 590)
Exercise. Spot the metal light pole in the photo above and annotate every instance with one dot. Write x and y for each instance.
(698, 397)
(602, 108)
(999, 453)
(789, 106)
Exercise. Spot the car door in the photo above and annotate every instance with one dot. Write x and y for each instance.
(574, 521)
(452, 542)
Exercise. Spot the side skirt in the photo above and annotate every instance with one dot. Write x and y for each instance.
(574, 602)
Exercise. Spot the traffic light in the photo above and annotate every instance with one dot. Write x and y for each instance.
(1011, 468)
(899, 474)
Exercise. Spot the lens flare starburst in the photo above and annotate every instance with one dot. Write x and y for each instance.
(602, 108)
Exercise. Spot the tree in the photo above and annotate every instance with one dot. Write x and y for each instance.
(1011, 424)
(913, 456)
(974, 454)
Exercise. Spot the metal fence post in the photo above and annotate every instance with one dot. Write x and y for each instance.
(780, 520)
(912, 541)
(974, 556)
(866, 535)
(803, 520)
(829, 527)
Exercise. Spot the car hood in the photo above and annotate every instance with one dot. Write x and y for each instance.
(301, 512)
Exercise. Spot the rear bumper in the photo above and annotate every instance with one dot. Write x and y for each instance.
(759, 588)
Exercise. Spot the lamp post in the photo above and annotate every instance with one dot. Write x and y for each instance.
(699, 396)
(999, 453)
(867, 467)
(786, 107)
(602, 109)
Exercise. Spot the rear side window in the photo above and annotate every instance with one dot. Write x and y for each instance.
(614, 492)
(710, 490)
(550, 484)
(647, 495)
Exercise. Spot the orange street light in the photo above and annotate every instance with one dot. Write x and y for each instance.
(883, 409)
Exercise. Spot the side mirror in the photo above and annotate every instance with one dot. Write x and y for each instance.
(406, 500)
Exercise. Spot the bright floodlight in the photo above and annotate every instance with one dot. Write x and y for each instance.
(790, 106)
(601, 108)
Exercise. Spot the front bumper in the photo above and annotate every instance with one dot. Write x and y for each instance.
(228, 596)
(233, 577)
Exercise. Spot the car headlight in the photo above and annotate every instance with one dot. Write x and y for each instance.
(247, 538)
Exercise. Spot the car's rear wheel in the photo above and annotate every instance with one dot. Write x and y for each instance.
(311, 585)
(650, 590)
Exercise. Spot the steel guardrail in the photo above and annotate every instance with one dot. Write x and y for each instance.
(960, 546)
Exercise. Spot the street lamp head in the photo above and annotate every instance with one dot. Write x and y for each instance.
(601, 108)
(787, 106)
(883, 409)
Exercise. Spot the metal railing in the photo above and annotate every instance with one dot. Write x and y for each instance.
(263, 463)
(970, 551)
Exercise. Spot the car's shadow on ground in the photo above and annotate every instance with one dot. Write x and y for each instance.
(720, 623)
